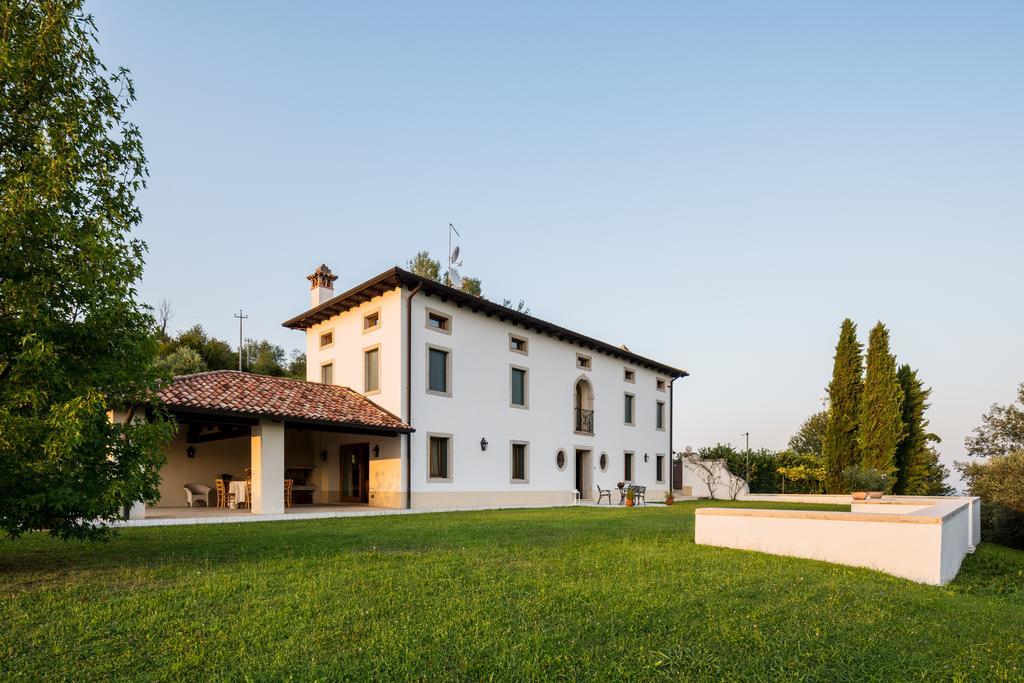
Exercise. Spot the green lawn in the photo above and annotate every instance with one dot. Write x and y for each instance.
(576, 593)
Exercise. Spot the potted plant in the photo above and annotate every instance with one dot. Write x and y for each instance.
(669, 497)
(864, 481)
(629, 497)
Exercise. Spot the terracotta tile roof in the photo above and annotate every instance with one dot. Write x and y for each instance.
(231, 392)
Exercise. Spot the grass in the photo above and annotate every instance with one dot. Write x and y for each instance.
(575, 594)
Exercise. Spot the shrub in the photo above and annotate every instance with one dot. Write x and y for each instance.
(864, 479)
(999, 482)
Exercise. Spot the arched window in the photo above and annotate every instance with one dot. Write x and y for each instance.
(584, 406)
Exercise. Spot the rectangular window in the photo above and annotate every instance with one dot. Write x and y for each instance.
(659, 416)
(519, 462)
(438, 321)
(627, 473)
(582, 361)
(371, 321)
(659, 469)
(660, 384)
(437, 371)
(326, 339)
(518, 344)
(629, 375)
(371, 369)
(519, 387)
(629, 416)
(327, 373)
(440, 458)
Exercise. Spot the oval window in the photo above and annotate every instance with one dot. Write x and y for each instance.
(604, 462)
(560, 460)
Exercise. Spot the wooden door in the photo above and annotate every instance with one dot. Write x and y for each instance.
(355, 473)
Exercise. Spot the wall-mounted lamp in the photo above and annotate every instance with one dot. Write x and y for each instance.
(646, 457)
(323, 456)
(376, 451)
(483, 444)
(190, 451)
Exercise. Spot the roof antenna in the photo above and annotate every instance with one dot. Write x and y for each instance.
(452, 277)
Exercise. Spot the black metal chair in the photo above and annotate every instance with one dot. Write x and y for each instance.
(639, 495)
(604, 493)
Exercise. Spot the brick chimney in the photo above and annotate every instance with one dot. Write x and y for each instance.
(321, 285)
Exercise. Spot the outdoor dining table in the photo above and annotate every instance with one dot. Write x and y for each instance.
(236, 493)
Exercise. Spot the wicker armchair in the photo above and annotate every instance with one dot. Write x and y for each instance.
(197, 493)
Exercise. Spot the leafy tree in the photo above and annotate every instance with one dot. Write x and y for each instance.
(75, 342)
(216, 353)
(297, 365)
(840, 448)
(471, 285)
(999, 481)
(521, 306)
(263, 358)
(184, 360)
(424, 266)
(881, 418)
(1001, 431)
(915, 459)
(809, 438)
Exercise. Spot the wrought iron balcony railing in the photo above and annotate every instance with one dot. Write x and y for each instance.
(584, 421)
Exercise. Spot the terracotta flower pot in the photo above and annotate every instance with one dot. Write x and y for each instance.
(669, 501)
(875, 494)
(629, 502)
(859, 495)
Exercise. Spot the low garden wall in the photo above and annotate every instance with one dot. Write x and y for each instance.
(919, 538)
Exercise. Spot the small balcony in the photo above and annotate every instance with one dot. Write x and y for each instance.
(584, 421)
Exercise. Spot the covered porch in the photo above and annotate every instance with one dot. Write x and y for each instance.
(336, 449)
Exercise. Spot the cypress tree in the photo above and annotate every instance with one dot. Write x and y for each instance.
(918, 470)
(910, 465)
(839, 447)
(881, 417)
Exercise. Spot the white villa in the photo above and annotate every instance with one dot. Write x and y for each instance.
(423, 396)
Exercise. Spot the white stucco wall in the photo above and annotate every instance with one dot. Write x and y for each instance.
(479, 405)
(350, 341)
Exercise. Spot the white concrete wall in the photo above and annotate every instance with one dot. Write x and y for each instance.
(696, 480)
(924, 543)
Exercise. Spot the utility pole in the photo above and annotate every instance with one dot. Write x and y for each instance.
(240, 319)
(747, 435)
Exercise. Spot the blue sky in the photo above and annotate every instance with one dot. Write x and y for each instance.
(715, 185)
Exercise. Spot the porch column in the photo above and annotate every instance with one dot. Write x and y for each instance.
(267, 452)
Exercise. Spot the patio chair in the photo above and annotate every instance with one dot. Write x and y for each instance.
(222, 493)
(604, 493)
(288, 492)
(639, 495)
(197, 493)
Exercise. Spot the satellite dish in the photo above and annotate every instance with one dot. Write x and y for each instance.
(455, 255)
(454, 277)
